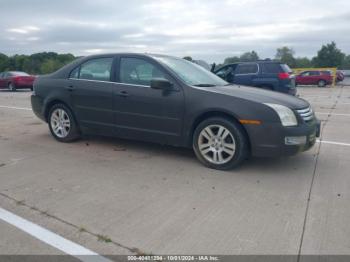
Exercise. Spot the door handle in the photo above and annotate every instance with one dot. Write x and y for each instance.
(70, 88)
(123, 94)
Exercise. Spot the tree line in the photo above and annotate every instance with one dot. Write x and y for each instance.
(47, 62)
(328, 56)
(40, 63)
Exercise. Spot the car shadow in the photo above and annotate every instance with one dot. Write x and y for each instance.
(279, 165)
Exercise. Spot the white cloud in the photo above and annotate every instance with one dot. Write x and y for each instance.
(211, 30)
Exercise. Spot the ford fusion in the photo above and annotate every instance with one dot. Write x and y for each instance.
(169, 100)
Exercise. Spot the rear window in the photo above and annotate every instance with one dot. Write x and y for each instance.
(314, 73)
(273, 68)
(286, 68)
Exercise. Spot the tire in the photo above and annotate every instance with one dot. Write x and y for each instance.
(227, 139)
(321, 83)
(12, 87)
(62, 124)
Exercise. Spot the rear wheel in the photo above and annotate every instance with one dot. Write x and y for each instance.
(12, 87)
(62, 124)
(321, 83)
(220, 143)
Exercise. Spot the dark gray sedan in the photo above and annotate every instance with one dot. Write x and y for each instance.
(169, 100)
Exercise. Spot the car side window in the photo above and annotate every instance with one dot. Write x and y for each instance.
(1, 75)
(138, 71)
(95, 69)
(271, 68)
(314, 73)
(305, 73)
(247, 69)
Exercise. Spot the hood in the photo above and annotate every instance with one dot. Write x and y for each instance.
(259, 95)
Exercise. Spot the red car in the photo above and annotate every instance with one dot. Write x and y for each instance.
(320, 78)
(16, 80)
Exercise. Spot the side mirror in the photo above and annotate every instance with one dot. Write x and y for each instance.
(161, 83)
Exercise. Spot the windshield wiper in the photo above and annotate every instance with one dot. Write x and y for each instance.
(205, 85)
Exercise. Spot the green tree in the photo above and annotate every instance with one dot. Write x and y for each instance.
(329, 56)
(346, 63)
(50, 66)
(188, 58)
(230, 60)
(249, 57)
(39, 63)
(286, 55)
(3, 62)
(303, 62)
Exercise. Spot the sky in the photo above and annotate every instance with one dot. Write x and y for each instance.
(205, 29)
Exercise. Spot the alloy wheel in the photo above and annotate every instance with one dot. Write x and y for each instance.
(60, 123)
(216, 144)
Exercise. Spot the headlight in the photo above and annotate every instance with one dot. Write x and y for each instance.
(286, 115)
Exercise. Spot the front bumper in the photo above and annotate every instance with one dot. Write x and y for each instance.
(269, 140)
(37, 106)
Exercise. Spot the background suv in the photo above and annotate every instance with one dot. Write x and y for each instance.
(269, 75)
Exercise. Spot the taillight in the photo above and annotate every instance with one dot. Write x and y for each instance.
(17, 79)
(282, 76)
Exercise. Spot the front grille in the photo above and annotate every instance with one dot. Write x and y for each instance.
(306, 114)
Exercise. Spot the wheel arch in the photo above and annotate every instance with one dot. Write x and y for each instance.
(215, 113)
(53, 102)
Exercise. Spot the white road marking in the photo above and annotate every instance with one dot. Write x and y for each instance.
(332, 142)
(332, 114)
(51, 238)
(14, 107)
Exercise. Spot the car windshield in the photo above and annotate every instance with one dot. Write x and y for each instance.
(190, 73)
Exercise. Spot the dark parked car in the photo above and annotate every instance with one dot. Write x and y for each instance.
(269, 75)
(172, 101)
(314, 77)
(16, 80)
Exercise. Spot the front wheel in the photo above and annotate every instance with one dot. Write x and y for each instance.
(62, 124)
(220, 143)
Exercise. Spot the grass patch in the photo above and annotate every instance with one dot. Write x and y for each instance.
(103, 238)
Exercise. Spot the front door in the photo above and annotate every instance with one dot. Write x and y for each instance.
(142, 112)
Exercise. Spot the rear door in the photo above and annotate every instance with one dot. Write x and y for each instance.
(245, 74)
(90, 86)
(314, 77)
